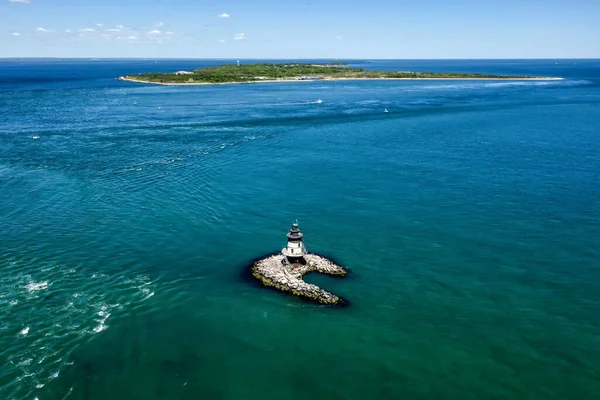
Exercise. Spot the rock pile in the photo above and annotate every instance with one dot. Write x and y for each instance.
(273, 272)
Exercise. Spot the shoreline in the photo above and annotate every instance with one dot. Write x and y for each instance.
(542, 78)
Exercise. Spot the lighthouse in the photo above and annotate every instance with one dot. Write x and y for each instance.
(295, 251)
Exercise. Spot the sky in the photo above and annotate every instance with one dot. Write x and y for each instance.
(394, 29)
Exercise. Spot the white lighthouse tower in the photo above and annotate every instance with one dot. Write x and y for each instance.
(295, 251)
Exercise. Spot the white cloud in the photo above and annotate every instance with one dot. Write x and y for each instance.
(40, 29)
(15, 34)
(20, 1)
(239, 36)
(222, 41)
(156, 36)
(122, 32)
(338, 37)
(68, 30)
(87, 30)
(224, 15)
(100, 25)
(158, 24)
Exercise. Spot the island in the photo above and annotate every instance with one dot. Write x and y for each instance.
(284, 271)
(293, 72)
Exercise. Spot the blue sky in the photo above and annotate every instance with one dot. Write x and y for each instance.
(301, 29)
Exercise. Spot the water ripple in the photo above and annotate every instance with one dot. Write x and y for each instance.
(50, 309)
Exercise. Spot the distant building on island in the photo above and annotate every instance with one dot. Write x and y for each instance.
(295, 251)
(183, 73)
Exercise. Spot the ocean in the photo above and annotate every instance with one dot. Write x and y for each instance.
(468, 216)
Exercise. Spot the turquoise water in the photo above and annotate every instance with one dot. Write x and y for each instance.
(469, 216)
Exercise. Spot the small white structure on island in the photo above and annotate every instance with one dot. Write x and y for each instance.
(183, 73)
(295, 251)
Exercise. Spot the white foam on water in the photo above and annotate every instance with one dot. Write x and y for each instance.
(58, 310)
(149, 295)
(25, 363)
(25, 375)
(368, 102)
(34, 286)
(100, 328)
(521, 83)
(472, 85)
(104, 315)
(452, 86)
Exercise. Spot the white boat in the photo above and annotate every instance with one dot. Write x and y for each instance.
(385, 110)
(319, 101)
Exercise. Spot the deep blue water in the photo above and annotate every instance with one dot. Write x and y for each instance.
(469, 216)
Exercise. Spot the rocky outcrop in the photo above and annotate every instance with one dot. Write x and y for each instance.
(272, 272)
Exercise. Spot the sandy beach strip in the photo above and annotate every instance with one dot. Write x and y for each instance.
(541, 78)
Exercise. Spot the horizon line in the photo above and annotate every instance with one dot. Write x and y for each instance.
(289, 58)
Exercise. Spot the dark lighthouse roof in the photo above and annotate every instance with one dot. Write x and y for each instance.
(294, 233)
